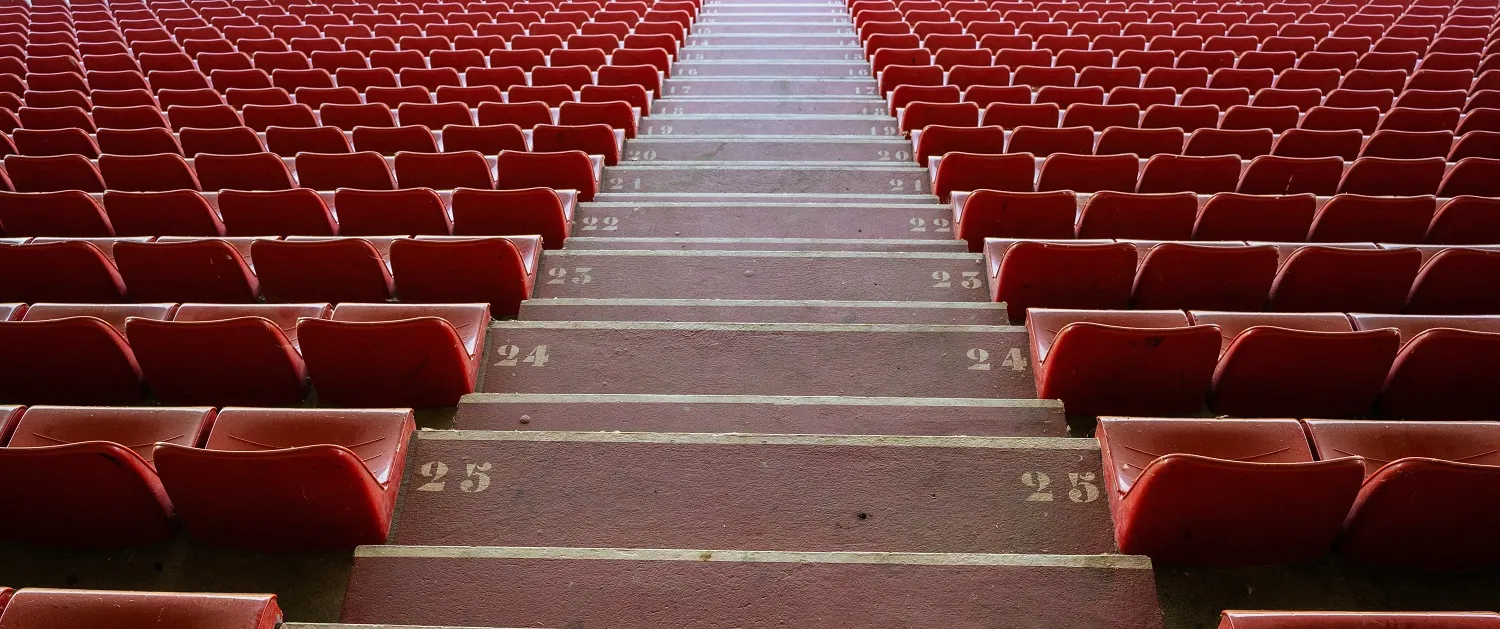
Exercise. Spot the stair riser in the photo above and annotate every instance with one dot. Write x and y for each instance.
(822, 68)
(862, 126)
(541, 311)
(764, 415)
(807, 86)
(695, 220)
(682, 149)
(731, 52)
(713, 359)
(854, 105)
(784, 179)
(814, 26)
(748, 595)
(731, 493)
(762, 275)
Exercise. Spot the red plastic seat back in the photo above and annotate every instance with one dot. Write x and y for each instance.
(33, 608)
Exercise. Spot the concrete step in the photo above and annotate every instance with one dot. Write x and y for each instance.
(762, 414)
(772, 67)
(764, 311)
(730, 274)
(739, 53)
(767, 86)
(785, 105)
(608, 243)
(770, 11)
(755, 492)
(708, 147)
(813, 26)
(321, 625)
(758, 359)
(903, 217)
(856, 126)
(777, 39)
(701, 588)
(764, 176)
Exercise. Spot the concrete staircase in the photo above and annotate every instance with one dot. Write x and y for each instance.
(762, 386)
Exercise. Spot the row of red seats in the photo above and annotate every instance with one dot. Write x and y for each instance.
(596, 129)
(1473, 24)
(499, 271)
(143, 22)
(1132, 52)
(1241, 276)
(310, 37)
(1225, 216)
(1407, 20)
(1460, 33)
(492, 88)
(67, 10)
(380, 52)
(1343, 53)
(326, 53)
(39, 608)
(366, 171)
(1373, 176)
(355, 355)
(1052, 7)
(1257, 364)
(1271, 108)
(294, 212)
(1320, 156)
(1253, 6)
(273, 107)
(234, 24)
(285, 479)
(1258, 619)
(1364, 111)
(1246, 492)
(1097, 117)
(966, 73)
(1318, 175)
(460, 144)
(360, 79)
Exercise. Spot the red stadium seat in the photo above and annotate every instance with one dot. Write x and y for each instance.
(990, 213)
(314, 269)
(100, 488)
(394, 355)
(1409, 505)
(1085, 274)
(1272, 501)
(1100, 362)
(462, 270)
(1297, 365)
(74, 354)
(266, 370)
(265, 459)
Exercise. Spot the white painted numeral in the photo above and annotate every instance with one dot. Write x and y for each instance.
(435, 471)
(918, 224)
(478, 480)
(595, 223)
(537, 357)
(1038, 482)
(576, 275)
(981, 358)
(942, 225)
(944, 279)
(1015, 360)
(638, 155)
(509, 356)
(1084, 490)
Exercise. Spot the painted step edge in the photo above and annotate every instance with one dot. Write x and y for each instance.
(1105, 561)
